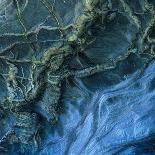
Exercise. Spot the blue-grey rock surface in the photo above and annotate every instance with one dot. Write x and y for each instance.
(77, 77)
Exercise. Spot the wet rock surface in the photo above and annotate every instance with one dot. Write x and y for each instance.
(77, 77)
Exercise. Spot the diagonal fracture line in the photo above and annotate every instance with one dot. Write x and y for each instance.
(19, 17)
(51, 10)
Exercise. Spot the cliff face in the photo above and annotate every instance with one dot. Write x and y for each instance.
(77, 77)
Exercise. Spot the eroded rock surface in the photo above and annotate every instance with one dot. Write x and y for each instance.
(77, 77)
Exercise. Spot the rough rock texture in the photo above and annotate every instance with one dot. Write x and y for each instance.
(77, 77)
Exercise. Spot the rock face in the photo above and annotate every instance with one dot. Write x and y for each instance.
(77, 77)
